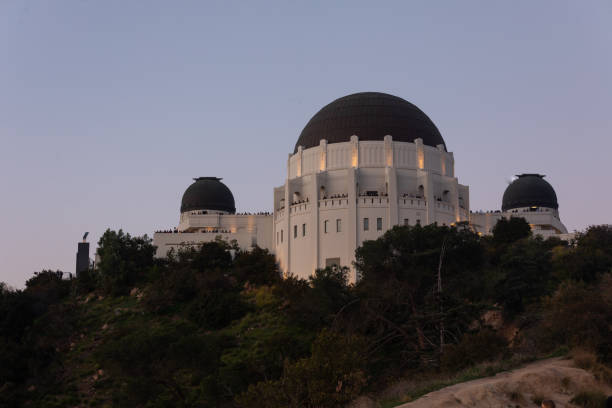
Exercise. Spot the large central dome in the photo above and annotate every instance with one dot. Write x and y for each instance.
(370, 116)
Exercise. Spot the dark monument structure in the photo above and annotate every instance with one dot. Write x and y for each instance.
(82, 256)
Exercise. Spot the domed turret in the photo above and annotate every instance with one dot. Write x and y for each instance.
(529, 190)
(208, 194)
(370, 116)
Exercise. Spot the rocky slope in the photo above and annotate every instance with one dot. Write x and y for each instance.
(557, 379)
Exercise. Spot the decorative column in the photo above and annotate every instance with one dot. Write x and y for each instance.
(287, 221)
(388, 140)
(298, 169)
(425, 178)
(420, 154)
(442, 151)
(351, 228)
(354, 151)
(391, 181)
(323, 155)
(352, 175)
(454, 198)
(466, 200)
(313, 224)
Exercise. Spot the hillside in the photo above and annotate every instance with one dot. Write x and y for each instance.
(220, 327)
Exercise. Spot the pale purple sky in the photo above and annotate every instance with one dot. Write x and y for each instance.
(109, 108)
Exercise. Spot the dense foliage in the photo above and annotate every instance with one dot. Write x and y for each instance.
(217, 326)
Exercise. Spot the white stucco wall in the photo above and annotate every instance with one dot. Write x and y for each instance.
(351, 181)
(543, 221)
(397, 182)
(195, 228)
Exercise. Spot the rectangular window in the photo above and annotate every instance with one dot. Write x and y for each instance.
(418, 222)
(325, 226)
(331, 262)
(281, 235)
(303, 230)
(379, 224)
(406, 222)
(366, 224)
(295, 231)
(277, 237)
(338, 225)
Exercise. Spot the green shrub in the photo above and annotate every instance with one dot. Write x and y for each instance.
(332, 376)
(215, 310)
(578, 315)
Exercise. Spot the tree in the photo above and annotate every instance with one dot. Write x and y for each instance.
(48, 287)
(510, 230)
(124, 260)
(526, 270)
(589, 258)
(257, 266)
(397, 302)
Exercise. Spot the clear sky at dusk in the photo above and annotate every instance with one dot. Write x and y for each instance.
(108, 109)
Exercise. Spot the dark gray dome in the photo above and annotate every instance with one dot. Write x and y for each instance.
(529, 190)
(208, 193)
(370, 116)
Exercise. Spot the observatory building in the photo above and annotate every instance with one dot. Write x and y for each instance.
(364, 163)
(531, 197)
(208, 213)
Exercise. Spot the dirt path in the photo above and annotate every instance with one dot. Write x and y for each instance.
(556, 379)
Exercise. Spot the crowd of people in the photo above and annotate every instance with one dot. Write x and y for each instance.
(412, 195)
(486, 212)
(169, 231)
(300, 201)
(335, 196)
(211, 231)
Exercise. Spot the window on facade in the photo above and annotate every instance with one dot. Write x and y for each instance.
(295, 231)
(338, 225)
(277, 237)
(366, 224)
(325, 226)
(379, 224)
(281, 235)
(332, 262)
(406, 222)
(303, 230)
(418, 222)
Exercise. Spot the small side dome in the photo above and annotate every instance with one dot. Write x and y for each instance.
(208, 193)
(529, 190)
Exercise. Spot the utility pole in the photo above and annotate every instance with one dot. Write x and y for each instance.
(442, 252)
